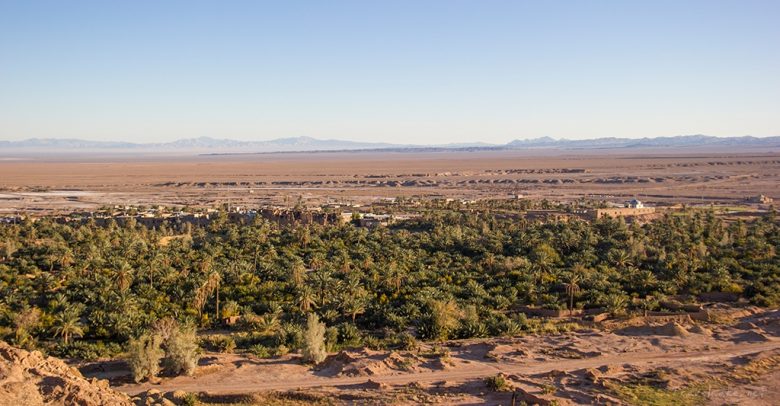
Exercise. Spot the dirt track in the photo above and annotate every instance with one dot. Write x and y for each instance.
(245, 381)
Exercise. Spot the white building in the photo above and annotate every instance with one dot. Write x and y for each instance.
(635, 204)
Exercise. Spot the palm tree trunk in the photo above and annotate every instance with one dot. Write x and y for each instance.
(217, 301)
(571, 304)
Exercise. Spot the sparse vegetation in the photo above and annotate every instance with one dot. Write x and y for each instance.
(498, 383)
(643, 394)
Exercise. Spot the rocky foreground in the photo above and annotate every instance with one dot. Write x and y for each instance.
(32, 379)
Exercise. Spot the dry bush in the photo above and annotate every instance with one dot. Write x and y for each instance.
(314, 340)
(144, 355)
(181, 351)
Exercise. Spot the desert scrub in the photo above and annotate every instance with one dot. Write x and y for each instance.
(314, 340)
(220, 343)
(498, 383)
(189, 399)
(437, 351)
(181, 351)
(261, 351)
(407, 342)
(644, 394)
(143, 355)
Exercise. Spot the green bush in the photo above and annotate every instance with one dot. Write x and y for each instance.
(349, 334)
(181, 351)
(87, 351)
(219, 343)
(331, 338)
(407, 342)
(144, 354)
(498, 383)
(260, 351)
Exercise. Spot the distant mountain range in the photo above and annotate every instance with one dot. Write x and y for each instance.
(655, 142)
(308, 144)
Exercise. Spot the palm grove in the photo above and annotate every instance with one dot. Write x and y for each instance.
(86, 291)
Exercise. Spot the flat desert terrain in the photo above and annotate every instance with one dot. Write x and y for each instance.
(665, 176)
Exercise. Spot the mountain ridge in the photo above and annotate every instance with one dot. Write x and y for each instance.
(306, 144)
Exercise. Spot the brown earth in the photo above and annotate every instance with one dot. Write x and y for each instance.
(738, 361)
(30, 379)
(658, 177)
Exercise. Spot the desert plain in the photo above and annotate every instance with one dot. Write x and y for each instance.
(49, 184)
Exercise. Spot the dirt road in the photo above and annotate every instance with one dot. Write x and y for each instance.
(244, 381)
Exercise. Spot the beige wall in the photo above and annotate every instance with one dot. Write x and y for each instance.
(621, 212)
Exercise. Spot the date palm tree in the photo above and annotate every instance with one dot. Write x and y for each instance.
(67, 324)
(572, 289)
(212, 285)
(124, 276)
(306, 299)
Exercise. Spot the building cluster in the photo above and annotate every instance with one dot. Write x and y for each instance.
(760, 199)
(155, 217)
(631, 210)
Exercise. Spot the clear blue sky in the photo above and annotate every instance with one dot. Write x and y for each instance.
(418, 71)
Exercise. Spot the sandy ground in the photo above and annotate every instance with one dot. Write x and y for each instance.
(576, 367)
(666, 176)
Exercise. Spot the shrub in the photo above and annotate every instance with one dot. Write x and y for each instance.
(220, 343)
(407, 342)
(88, 351)
(440, 320)
(349, 334)
(290, 335)
(144, 355)
(281, 350)
(189, 399)
(331, 338)
(511, 328)
(314, 340)
(181, 351)
(230, 309)
(497, 383)
(374, 343)
(260, 351)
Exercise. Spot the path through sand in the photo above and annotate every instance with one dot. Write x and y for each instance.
(246, 380)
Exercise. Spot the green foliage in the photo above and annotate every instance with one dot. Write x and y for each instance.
(641, 394)
(349, 334)
(190, 399)
(87, 351)
(450, 273)
(181, 351)
(407, 342)
(143, 355)
(331, 338)
(440, 319)
(220, 343)
(498, 383)
(260, 351)
(230, 309)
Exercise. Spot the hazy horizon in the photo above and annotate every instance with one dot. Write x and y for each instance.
(423, 73)
(375, 142)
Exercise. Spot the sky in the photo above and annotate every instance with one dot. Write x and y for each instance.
(419, 71)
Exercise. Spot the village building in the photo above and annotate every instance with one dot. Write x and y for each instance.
(760, 199)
